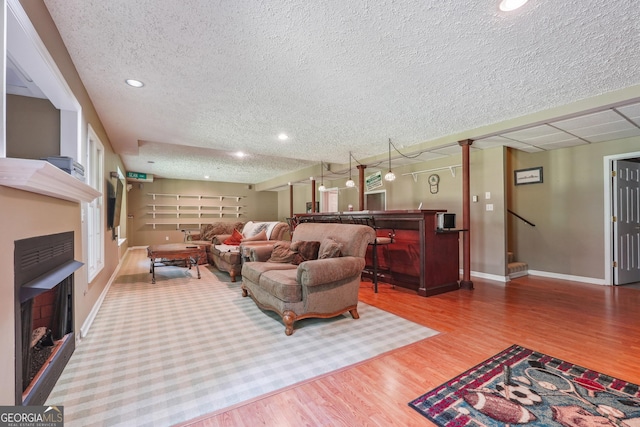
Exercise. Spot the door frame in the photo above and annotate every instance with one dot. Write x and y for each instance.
(608, 212)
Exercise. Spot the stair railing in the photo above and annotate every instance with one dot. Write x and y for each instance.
(521, 218)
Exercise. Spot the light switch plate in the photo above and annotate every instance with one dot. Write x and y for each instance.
(487, 195)
(474, 199)
(490, 207)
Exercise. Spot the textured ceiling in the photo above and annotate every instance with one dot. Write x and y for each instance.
(336, 76)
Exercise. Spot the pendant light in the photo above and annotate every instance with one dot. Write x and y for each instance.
(322, 187)
(350, 183)
(390, 176)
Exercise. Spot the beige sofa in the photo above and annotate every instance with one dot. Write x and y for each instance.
(228, 257)
(321, 288)
(208, 233)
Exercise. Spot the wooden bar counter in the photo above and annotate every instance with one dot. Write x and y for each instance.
(420, 258)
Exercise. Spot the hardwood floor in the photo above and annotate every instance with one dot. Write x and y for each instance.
(594, 326)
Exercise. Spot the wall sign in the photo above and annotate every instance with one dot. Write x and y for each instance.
(373, 181)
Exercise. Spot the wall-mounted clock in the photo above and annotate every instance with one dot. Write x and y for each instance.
(434, 180)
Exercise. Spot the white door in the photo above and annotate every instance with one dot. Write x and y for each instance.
(329, 200)
(626, 226)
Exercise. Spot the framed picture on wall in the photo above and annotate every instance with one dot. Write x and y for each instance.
(528, 176)
(309, 206)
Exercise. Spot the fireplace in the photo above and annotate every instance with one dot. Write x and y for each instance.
(43, 271)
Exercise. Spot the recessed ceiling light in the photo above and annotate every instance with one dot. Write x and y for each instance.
(509, 5)
(283, 137)
(206, 177)
(134, 83)
(240, 154)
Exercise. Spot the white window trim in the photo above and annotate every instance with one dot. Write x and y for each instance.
(96, 209)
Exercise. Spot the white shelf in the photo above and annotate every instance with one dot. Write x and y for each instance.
(192, 196)
(187, 210)
(41, 177)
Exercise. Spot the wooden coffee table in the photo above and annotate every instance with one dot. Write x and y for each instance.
(171, 254)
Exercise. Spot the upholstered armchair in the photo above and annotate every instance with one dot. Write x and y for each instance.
(283, 279)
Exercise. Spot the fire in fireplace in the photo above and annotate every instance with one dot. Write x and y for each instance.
(43, 271)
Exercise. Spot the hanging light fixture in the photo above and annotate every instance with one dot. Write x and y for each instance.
(322, 187)
(390, 176)
(350, 183)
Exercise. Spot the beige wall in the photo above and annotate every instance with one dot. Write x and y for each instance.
(26, 214)
(487, 175)
(33, 128)
(257, 206)
(567, 208)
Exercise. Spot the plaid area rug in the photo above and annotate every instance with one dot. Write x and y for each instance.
(522, 386)
(165, 353)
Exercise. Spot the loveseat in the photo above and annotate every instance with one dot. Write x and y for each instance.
(285, 277)
(225, 252)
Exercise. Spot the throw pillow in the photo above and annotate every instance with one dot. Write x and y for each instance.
(306, 251)
(262, 235)
(235, 239)
(252, 228)
(282, 253)
(329, 248)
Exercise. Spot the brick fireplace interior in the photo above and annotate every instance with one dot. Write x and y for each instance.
(43, 270)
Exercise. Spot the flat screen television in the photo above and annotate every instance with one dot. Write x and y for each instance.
(114, 203)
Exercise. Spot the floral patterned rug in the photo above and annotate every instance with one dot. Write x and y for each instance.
(525, 387)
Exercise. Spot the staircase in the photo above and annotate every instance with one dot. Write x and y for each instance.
(515, 268)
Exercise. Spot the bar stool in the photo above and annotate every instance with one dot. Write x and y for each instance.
(379, 241)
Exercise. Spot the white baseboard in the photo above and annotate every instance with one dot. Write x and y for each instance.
(494, 277)
(84, 329)
(488, 276)
(559, 276)
(570, 277)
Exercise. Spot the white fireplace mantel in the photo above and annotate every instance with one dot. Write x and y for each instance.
(39, 176)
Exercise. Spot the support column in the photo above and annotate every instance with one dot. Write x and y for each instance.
(313, 195)
(290, 200)
(361, 169)
(466, 282)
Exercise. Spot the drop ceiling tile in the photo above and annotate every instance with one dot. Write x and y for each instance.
(558, 137)
(526, 135)
(563, 144)
(614, 134)
(632, 112)
(588, 120)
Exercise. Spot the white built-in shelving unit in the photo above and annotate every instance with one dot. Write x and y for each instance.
(189, 211)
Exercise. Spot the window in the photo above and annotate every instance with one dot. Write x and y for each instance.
(95, 211)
